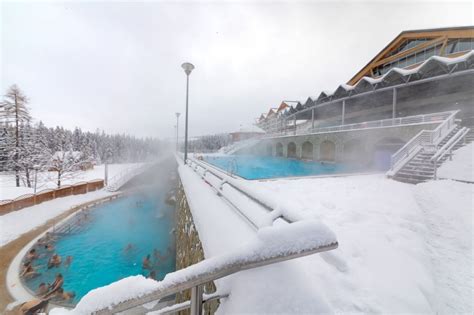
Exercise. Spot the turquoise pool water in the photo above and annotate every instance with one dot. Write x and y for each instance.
(142, 219)
(259, 167)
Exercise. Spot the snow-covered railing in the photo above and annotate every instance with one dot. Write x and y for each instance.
(124, 176)
(448, 148)
(236, 193)
(272, 245)
(390, 122)
(28, 200)
(424, 138)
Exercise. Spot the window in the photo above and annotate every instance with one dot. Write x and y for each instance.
(408, 44)
(458, 45)
(420, 56)
(414, 58)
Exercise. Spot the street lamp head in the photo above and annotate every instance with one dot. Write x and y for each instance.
(188, 67)
(177, 115)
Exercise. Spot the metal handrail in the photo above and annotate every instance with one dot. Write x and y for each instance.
(233, 183)
(448, 147)
(423, 138)
(175, 308)
(124, 176)
(214, 270)
(445, 148)
(382, 123)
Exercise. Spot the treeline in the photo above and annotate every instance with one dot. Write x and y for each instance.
(26, 145)
(209, 143)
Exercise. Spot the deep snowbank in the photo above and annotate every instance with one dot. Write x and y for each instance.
(460, 167)
(403, 248)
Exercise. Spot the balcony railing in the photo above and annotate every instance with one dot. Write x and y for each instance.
(306, 128)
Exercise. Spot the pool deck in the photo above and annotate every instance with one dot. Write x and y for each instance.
(13, 252)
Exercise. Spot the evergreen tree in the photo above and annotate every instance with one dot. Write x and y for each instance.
(13, 110)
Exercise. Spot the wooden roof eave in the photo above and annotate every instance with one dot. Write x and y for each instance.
(460, 32)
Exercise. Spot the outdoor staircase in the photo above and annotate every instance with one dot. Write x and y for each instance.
(421, 168)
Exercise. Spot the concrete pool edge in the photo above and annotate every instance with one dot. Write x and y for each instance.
(15, 286)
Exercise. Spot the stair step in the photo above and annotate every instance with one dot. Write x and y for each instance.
(419, 163)
(415, 176)
(417, 171)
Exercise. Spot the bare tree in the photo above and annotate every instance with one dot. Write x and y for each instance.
(13, 110)
(66, 164)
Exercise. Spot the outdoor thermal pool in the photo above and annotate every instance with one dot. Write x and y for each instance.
(261, 167)
(98, 243)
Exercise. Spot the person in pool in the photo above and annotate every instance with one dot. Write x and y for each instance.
(128, 248)
(49, 247)
(55, 286)
(63, 295)
(32, 255)
(28, 271)
(42, 289)
(46, 239)
(152, 275)
(54, 261)
(146, 264)
(35, 306)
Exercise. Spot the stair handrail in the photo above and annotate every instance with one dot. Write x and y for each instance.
(424, 137)
(447, 148)
(125, 175)
(211, 269)
(449, 144)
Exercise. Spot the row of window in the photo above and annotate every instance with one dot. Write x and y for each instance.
(409, 43)
(453, 46)
(457, 45)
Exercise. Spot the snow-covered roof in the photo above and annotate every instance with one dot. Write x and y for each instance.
(433, 66)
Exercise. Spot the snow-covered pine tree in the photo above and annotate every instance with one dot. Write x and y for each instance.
(13, 110)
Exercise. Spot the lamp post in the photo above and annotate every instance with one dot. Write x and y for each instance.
(177, 128)
(188, 67)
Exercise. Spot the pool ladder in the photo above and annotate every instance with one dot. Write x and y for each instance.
(233, 167)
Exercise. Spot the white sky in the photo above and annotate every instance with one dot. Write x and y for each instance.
(116, 66)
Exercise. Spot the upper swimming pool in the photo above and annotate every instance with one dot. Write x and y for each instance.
(98, 243)
(261, 167)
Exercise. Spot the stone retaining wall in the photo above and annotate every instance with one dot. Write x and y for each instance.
(189, 248)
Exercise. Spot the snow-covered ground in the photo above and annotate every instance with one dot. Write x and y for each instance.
(16, 223)
(402, 248)
(46, 180)
(460, 167)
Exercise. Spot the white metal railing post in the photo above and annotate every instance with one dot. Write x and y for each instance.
(294, 123)
(394, 103)
(343, 111)
(196, 300)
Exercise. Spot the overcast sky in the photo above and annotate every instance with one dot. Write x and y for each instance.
(116, 66)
